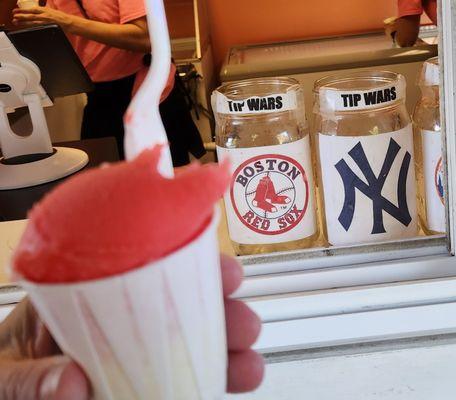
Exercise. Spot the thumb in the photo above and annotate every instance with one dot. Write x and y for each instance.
(53, 378)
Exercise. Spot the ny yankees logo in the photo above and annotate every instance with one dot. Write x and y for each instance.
(373, 189)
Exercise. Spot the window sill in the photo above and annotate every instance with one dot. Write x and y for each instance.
(297, 316)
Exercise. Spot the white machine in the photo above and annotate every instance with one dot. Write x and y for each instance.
(28, 160)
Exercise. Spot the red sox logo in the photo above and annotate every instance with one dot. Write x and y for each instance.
(270, 193)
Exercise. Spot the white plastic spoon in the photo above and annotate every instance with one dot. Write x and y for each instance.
(143, 124)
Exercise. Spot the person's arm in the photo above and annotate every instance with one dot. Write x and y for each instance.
(407, 30)
(430, 8)
(132, 36)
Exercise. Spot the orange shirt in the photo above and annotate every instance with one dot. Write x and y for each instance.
(103, 62)
(417, 7)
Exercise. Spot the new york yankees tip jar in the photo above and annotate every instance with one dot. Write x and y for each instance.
(365, 153)
(261, 127)
(428, 150)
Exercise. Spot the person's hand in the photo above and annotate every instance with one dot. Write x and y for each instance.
(245, 367)
(404, 31)
(40, 16)
(31, 364)
(390, 27)
(33, 368)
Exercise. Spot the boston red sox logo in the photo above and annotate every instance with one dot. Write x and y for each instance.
(270, 193)
(266, 195)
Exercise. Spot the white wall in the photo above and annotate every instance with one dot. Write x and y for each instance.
(426, 372)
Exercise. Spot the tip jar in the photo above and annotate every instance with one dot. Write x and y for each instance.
(261, 127)
(428, 149)
(366, 167)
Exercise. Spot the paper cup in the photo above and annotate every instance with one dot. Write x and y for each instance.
(27, 3)
(157, 332)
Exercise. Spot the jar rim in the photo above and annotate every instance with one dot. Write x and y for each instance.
(228, 88)
(433, 60)
(360, 80)
(430, 73)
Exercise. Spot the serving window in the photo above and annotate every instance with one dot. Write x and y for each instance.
(332, 293)
(380, 164)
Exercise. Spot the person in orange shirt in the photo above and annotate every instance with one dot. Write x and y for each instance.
(405, 28)
(111, 38)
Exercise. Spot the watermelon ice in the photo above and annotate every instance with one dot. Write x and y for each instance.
(110, 220)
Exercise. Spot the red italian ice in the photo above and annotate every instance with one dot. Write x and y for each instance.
(107, 221)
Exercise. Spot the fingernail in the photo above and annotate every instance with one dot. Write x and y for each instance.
(50, 382)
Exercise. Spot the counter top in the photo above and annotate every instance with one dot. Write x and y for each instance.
(10, 233)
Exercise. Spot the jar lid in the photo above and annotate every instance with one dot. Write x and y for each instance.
(256, 96)
(430, 73)
(365, 90)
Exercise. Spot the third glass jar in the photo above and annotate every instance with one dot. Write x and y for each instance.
(365, 151)
(428, 150)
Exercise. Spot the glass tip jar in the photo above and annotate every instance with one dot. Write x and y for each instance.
(365, 151)
(261, 127)
(430, 164)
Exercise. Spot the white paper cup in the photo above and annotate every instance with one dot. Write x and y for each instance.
(27, 3)
(155, 333)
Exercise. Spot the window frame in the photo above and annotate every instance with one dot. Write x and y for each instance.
(372, 292)
(369, 254)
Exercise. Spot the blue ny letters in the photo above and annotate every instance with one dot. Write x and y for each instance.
(373, 189)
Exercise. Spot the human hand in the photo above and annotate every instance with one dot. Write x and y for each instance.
(404, 31)
(33, 368)
(40, 16)
(31, 364)
(390, 25)
(245, 367)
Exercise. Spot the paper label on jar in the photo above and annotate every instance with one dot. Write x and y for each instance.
(271, 196)
(433, 174)
(369, 187)
(337, 100)
(276, 102)
(431, 74)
